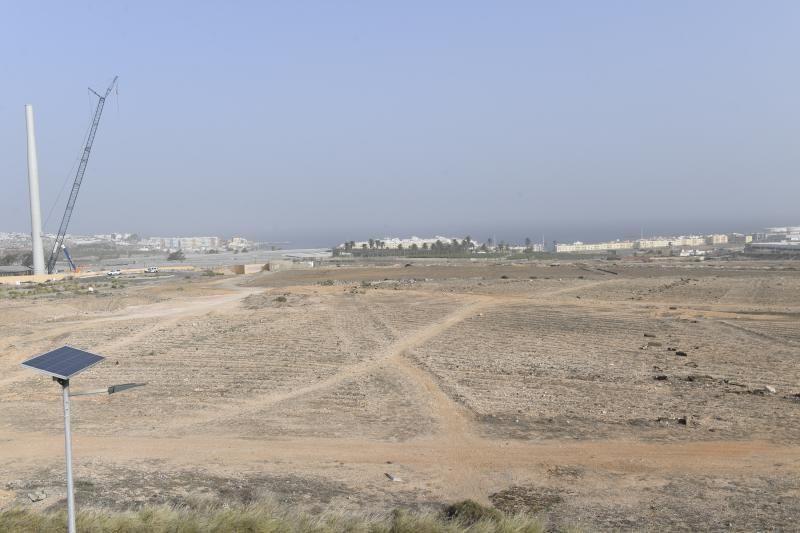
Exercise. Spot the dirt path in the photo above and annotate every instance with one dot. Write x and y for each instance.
(171, 311)
(455, 432)
(778, 341)
(384, 356)
(476, 455)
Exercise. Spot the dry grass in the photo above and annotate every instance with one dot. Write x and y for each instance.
(273, 518)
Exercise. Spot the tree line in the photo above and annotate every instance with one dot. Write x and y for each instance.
(453, 247)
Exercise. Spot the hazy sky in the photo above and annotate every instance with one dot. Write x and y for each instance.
(323, 121)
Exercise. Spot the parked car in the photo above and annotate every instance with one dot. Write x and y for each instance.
(151, 270)
(114, 272)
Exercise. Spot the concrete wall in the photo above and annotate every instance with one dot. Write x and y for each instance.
(13, 280)
(254, 268)
(277, 266)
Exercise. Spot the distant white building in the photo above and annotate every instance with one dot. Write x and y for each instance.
(690, 240)
(533, 247)
(646, 244)
(692, 253)
(187, 244)
(784, 233)
(681, 240)
(655, 242)
(14, 239)
(238, 243)
(395, 243)
(579, 246)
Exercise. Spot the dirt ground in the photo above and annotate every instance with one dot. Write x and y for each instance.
(603, 395)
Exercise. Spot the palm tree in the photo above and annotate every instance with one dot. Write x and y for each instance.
(371, 244)
(424, 245)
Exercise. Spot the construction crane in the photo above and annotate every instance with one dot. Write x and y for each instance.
(62, 230)
(69, 259)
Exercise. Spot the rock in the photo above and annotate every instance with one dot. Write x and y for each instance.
(391, 477)
(660, 377)
(649, 335)
(679, 352)
(770, 389)
(682, 421)
(699, 377)
(37, 496)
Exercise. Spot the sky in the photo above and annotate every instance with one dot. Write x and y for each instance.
(319, 122)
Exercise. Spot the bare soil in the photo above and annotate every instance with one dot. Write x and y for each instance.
(604, 395)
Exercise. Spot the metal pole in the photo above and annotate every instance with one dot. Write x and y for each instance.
(33, 186)
(68, 453)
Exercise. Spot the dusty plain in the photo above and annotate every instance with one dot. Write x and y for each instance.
(601, 395)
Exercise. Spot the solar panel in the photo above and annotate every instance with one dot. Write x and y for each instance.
(63, 362)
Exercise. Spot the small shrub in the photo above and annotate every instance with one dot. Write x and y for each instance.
(281, 299)
(470, 512)
(327, 282)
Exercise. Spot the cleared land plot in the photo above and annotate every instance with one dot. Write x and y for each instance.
(590, 397)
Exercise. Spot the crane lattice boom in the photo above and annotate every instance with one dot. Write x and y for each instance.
(73, 196)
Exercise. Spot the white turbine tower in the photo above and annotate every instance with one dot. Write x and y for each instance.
(33, 187)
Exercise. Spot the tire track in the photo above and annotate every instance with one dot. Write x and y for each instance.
(382, 357)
